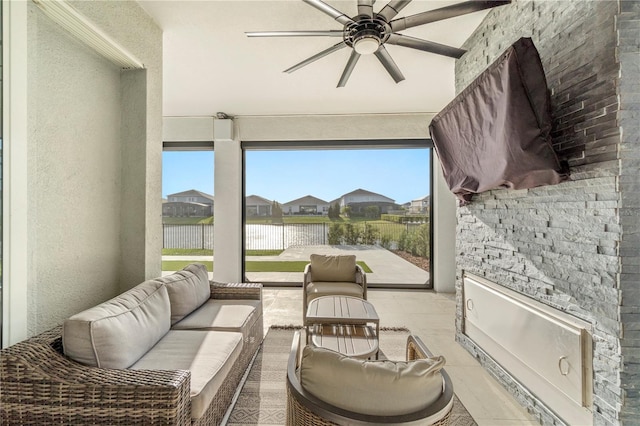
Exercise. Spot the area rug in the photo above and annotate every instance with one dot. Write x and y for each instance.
(263, 399)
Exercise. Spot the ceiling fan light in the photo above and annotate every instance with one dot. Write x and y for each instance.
(366, 45)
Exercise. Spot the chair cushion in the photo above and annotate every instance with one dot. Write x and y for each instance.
(383, 388)
(208, 355)
(188, 290)
(116, 333)
(317, 289)
(221, 315)
(333, 267)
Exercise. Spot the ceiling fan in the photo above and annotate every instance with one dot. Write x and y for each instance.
(368, 32)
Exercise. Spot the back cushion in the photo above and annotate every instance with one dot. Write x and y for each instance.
(382, 388)
(333, 268)
(116, 333)
(188, 290)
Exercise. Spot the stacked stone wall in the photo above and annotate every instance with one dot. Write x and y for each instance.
(573, 246)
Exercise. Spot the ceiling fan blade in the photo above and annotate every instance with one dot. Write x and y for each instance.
(365, 7)
(316, 57)
(444, 13)
(351, 64)
(391, 67)
(331, 11)
(392, 8)
(328, 33)
(427, 46)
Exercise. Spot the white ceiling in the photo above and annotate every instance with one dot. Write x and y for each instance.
(210, 65)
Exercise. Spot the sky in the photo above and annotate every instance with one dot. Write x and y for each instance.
(400, 174)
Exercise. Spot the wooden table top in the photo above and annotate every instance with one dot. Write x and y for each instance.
(341, 310)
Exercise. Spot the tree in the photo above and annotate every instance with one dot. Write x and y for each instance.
(276, 212)
(334, 211)
(346, 210)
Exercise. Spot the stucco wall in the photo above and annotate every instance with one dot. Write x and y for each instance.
(564, 245)
(94, 159)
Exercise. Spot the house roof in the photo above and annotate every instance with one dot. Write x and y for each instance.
(307, 199)
(191, 192)
(256, 199)
(361, 191)
(425, 198)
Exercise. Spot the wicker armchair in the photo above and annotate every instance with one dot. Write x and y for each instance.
(303, 408)
(328, 275)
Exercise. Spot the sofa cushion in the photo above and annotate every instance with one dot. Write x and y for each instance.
(333, 267)
(188, 289)
(317, 289)
(208, 355)
(116, 333)
(221, 315)
(371, 387)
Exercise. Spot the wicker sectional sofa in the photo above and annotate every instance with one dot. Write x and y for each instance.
(170, 351)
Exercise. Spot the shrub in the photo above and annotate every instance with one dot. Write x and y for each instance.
(385, 242)
(421, 241)
(369, 234)
(416, 242)
(351, 234)
(335, 234)
(403, 240)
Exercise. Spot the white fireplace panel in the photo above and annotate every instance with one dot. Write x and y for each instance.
(546, 350)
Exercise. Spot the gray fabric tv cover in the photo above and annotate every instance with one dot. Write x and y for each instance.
(496, 132)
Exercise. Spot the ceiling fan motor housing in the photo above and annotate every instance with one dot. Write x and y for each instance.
(365, 35)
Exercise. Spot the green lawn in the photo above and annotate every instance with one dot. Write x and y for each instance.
(253, 265)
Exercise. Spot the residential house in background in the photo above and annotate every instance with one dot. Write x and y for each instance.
(191, 203)
(360, 199)
(257, 206)
(420, 205)
(306, 205)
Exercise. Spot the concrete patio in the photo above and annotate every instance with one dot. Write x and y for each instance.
(387, 268)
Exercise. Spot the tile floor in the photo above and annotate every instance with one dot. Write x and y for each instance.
(431, 316)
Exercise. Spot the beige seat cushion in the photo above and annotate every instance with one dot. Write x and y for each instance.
(188, 290)
(208, 355)
(371, 387)
(116, 333)
(221, 315)
(317, 289)
(333, 267)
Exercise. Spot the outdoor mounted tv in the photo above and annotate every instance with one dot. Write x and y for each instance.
(496, 132)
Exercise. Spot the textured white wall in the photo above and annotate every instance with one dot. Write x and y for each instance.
(444, 231)
(94, 163)
(129, 25)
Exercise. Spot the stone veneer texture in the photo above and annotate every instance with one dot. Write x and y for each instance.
(573, 246)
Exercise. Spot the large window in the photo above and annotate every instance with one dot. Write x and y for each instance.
(187, 208)
(371, 202)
